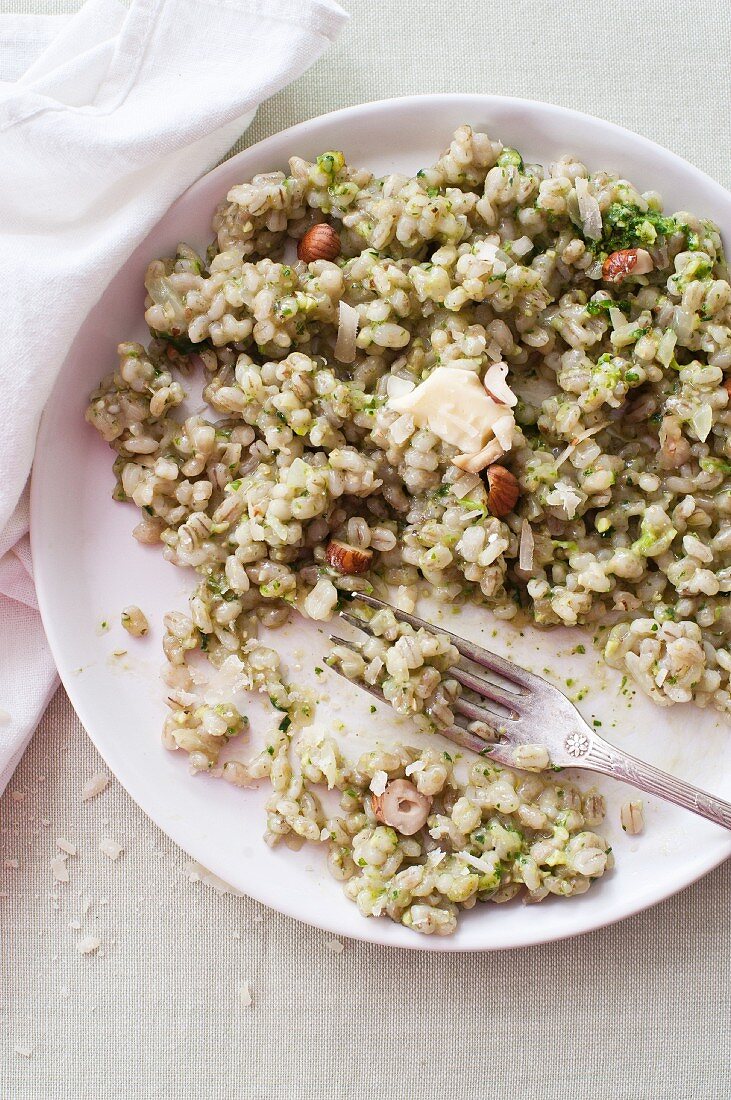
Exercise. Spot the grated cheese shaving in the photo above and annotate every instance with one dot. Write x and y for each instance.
(579, 439)
(566, 497)
(527, 546)
(455, 406)
(474, 861)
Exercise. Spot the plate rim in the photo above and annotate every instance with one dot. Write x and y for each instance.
(372, 931)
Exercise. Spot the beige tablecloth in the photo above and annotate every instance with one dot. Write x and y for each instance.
(633, 1012)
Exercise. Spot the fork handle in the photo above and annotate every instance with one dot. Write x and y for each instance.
(605, 758)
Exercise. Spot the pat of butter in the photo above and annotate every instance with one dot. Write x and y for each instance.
(455, 406)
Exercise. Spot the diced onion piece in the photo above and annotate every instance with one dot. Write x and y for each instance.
(398, 387)
(527, 546)
(348, 320)
(393, 184)
(486, 250)
(496, 385)
(702, 421)
(618, 318)
(162, 293)
(591, 215)
(626, 334)
(402, 428)
(493, 254)
(682, 323)
(521, 247)
(666, 347)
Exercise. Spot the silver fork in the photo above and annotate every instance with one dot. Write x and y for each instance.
(526, 710)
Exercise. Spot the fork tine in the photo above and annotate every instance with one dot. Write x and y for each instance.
(354, 620)
(505, 698)
(502, 695)
(456, 734)
(472, 652)
(357, 683)
(344, 641)
(467, 740)
(498, 722)
(483, 713)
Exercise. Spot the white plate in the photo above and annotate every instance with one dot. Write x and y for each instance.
(88, 567)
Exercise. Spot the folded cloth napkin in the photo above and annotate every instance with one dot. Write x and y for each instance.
(106, 117)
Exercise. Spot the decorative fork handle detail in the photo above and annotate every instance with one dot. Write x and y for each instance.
(603, 757)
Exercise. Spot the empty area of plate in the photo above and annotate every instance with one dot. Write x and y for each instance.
(88, 567)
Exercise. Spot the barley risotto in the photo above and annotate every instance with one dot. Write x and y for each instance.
(492, 381)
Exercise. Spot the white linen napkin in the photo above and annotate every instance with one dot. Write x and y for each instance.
(105, 118)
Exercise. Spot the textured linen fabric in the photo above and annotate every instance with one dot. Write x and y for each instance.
(112, 119)
(638, 1011)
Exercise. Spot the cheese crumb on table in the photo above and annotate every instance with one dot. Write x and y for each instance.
(59, 868)
(88, 945)
(94, 786)
(110, 848)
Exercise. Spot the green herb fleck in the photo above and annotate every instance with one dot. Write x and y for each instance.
(510, 158)
(627, 226)
(595, 308)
